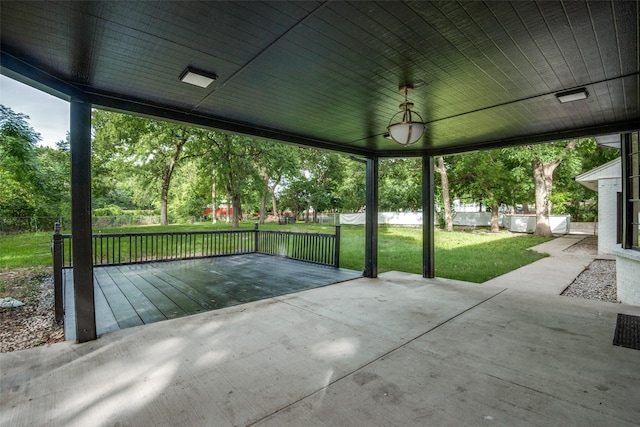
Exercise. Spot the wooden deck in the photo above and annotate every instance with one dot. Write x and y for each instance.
(137, 294)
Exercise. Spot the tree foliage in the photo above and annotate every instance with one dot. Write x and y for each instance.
(400, 182)
(140, 163)
(35, 180)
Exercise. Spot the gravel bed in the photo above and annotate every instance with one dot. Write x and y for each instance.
(32, 324)
(598, 280)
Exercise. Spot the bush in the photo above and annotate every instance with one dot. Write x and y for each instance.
(109, 210)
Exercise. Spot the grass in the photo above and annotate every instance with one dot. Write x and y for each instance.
(474, 256)
(25, 250)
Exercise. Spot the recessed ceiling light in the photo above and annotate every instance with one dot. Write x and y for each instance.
(572, 95)
(197, 77)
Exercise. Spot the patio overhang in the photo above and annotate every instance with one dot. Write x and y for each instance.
(326, 74)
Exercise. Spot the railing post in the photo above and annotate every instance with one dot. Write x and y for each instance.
(337, 248)
(56, 249)
(255, 237)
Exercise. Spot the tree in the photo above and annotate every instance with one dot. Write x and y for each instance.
(231, 156)
(569, 197)
(190, 188)
(485, 176)
(153, 148)
(296, 195)
(324, 172)
(352, 188)
(316, 183)
(274, 162)
(400, 184)
(54, 172)
(543, 159)
(441, 169)
(17, 139)
(18, 171)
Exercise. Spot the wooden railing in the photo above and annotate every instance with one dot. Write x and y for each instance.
(134, 248)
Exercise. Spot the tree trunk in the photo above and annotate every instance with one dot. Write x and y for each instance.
(543, 228)
(214, 213)
(263, 197)
(495, 225)
(164, 195)
(228, 215)
(274, 201)
(446, 201)
(275, 206)
(543, 182)
(263, 206)
(167, 173)
(236, 216)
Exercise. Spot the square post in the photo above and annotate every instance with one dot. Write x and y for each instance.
(428, 228)
(371, 220)
(256, 247)
(56, 248)
(627, 185)
(80, 131)
(336, 256)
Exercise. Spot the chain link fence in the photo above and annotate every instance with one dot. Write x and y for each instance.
(34, 224)
(31, 224)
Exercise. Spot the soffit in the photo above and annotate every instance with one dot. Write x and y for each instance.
(326, 73)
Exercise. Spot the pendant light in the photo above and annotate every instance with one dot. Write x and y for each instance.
(407, 131)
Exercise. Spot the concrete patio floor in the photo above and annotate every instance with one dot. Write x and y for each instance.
(397, 350)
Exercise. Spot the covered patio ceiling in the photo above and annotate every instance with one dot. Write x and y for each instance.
(326, 74)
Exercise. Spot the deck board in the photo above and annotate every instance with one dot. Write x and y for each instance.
(202, 301)
(159, 299)
(144, 307)
(179, 292)
(119, 304)
(132, 295)
(104, 315)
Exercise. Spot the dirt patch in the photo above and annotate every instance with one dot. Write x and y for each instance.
(586, 246)
(32, 324)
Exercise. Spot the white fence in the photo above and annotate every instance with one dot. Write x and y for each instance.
(527, 223)
(515, 223)
(392, 218)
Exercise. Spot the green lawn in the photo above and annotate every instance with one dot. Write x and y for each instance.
(471, 256)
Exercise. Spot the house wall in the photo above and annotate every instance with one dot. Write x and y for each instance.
(627, 274)
(608, 214)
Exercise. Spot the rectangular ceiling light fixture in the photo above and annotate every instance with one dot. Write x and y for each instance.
(197, 77)
(572, 95)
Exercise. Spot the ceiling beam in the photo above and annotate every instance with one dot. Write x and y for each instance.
(585, 132)
(26, 73)
(128, 105)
